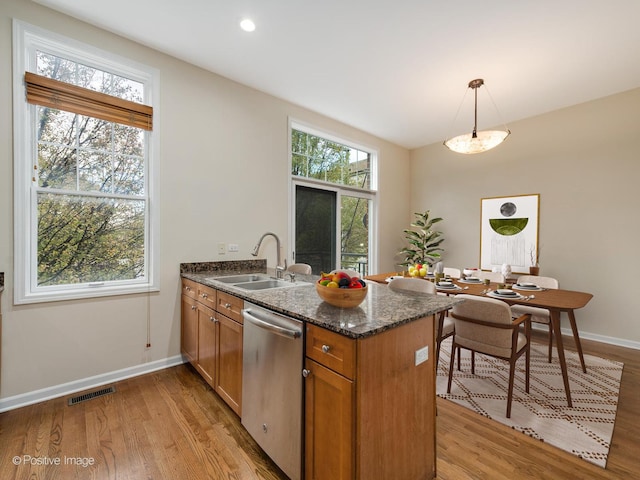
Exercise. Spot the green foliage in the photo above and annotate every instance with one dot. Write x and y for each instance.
(91, 188)
(424, 241)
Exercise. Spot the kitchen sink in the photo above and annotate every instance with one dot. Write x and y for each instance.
(249, 277)
(255, 281)
(264, 284)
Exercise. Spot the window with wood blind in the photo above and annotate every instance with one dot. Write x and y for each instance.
(84, 177)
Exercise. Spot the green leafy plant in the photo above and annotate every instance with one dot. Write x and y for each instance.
(424, 241)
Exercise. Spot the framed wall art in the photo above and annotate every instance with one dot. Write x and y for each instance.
(509, 232)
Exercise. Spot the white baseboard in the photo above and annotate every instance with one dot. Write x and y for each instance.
(29, 398)
(620, 342)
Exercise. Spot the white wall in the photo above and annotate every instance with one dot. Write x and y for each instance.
(584, 162)
(217, 169)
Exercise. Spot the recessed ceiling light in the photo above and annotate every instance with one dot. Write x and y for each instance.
(247, 25)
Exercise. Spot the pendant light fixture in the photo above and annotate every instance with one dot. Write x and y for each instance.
(477, 142)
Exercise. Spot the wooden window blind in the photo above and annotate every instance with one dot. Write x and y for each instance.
(48, 92)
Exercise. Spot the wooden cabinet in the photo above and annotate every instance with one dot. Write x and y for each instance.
(211, 338)
(329, 424)
(228, 382)
(207, 347)
(189, 322)
(370, 410)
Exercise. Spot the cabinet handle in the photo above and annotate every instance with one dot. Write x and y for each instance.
(227, 305)
(305, 372)
(204, 295)
(213, 319)
(326, 348)
(187, 288)
(193, 307)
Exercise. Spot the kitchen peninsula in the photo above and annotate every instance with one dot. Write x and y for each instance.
(369, 393)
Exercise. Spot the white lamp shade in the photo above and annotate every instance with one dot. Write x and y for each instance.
(483, 141)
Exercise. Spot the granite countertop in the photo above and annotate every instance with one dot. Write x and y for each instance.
(381, 310)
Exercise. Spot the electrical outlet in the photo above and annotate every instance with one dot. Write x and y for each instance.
(221, 248)
(233, 247)
(422, 355)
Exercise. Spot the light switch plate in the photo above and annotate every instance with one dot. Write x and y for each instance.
(233, 247)
(221, 248)
(422, 355)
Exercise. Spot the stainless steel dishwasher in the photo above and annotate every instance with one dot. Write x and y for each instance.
(272, 385)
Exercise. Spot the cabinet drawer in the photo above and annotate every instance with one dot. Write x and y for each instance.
(230, 306)
(190, 288)
(207, 296)
(332, 350)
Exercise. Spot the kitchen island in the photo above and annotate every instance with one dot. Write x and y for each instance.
(369, 391)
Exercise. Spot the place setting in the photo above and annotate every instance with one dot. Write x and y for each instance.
(471, 280)
(527, 286)
(446, 286)
(504, 293)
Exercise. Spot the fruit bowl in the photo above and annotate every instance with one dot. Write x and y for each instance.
(342, 297)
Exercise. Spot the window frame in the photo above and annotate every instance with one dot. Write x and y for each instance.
(370, 194)
(26, 40)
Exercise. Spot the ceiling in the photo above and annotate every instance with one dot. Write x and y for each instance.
(396, 69)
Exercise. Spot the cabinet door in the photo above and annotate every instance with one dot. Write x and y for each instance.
(189, 329)
(229, 374)
(329, 424)
(207, 344)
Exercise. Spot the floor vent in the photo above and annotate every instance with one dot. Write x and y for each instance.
(89, 396)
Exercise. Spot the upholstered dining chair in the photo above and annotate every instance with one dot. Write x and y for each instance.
(445, 324)
(484, 325)
(302, 268)
(538, 315)
(495, 277)
(452, 272)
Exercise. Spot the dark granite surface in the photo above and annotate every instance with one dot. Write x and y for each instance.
(381, 310)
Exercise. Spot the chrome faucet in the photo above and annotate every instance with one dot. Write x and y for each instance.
(279, 269)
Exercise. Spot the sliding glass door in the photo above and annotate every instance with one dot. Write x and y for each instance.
(328, 237)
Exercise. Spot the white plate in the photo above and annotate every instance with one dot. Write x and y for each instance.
(470, 280)
(505, 291)
(497, 295)
(521, 287)
(450, 287)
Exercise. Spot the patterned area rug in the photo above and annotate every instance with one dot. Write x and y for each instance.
(584, 430)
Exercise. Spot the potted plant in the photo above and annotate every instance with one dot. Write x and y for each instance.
(534, 269)
(424, 241)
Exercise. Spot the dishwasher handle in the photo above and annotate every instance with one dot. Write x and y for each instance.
(247, 314)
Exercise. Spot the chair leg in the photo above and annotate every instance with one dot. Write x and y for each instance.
(439, 339)
(512, 368)
(473, 362)
(550, 342)
(527, 358)
(453, 356)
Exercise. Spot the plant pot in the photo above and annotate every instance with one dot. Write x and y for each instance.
(534, 270)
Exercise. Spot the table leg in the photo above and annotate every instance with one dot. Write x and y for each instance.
(555, 322)
(576, 338)
(438, 335)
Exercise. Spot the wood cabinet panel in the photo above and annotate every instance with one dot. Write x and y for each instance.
(189, 288)
(207, 296)
(395, 417)
(331, 349)
(207, 344)
(189, 328)
(229, 374)
(329, 424)
(230, 306)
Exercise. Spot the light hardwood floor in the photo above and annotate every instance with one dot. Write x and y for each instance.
(170, 425)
